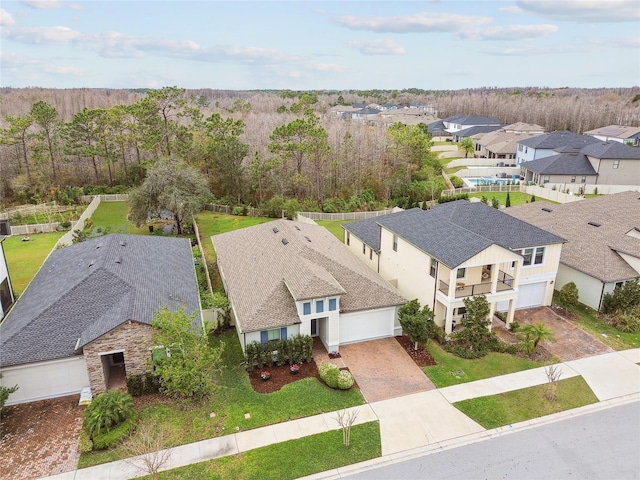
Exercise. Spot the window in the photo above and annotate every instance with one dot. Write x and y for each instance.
(461, 273)
(306, 308)
(616, 164)
(395, 243)
(619, 285)
(533, 256)
(333, 304)
(584, 179)
(348, 238)
(573, 179)
(545, 179)
(434, 268)
(319, 306)
(370, 253)
(364, 248)
(274, 334)
(5, 295)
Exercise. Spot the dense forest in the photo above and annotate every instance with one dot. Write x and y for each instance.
(256, 147)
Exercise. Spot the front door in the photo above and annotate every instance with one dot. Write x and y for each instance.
(314, 327)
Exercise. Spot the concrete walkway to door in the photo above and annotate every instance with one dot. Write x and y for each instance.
(383, 369)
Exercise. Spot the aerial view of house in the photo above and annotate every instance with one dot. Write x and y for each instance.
(503, 143)
(286, 278)
(86, 315)
(6, 290)
(603, 241)
(457, 250)
(549, 144)
(617, 133)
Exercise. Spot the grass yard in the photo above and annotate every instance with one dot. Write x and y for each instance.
(191, 423)
(517, 198)
(212, 223)
(520, 405)
(291, 459)
(334, 226)
(111, 217)
(452, 370)
(25, 258)
(587, 320)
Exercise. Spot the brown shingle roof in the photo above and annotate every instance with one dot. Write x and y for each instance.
(264, 276)
(592, 249)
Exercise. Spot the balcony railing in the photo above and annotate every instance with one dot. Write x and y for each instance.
(505, 282)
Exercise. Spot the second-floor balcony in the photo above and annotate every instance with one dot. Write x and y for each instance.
(462, 290)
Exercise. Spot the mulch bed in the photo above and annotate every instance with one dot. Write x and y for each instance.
(422, 357)
(281, 376)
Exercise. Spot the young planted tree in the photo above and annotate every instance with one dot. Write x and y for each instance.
(170, 185)
(569, 295)
(346, 419)
(416, 322)
(507, 202)
(188, 365)
(532, 335)
(467, 146)
(476, 336)
(5, 392)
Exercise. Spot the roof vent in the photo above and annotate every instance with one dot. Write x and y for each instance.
(123, 243)
(308, 239)
(594, 224)
(275, 230)
(284, 241)
(91, 262)
(98, 246)
(546, 209)
(297, 227)
(119, 260)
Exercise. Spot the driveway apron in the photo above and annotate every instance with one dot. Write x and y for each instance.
(383, 369)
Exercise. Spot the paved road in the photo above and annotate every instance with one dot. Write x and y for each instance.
(602, 445)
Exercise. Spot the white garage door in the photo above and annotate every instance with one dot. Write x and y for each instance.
(38, 381)
(360, 326)
(531, 295)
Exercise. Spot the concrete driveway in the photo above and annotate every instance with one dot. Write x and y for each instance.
(383, 369)
(571, 342)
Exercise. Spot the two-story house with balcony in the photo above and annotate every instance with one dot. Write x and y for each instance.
(6, 289)
(458, 250)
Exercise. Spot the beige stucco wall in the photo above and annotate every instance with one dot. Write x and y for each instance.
(369, 257)
(627, 173)
(589, 288)
(132, 338)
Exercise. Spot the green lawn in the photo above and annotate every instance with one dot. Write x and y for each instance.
(211, 223)
(587, 319)
(111, 217)
(452, 370)
(291, 459)
(520, 405)
(517, 198)
(25, 258)
(191, 423)
(335, 227)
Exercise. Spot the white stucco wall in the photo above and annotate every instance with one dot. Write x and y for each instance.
(590, 289)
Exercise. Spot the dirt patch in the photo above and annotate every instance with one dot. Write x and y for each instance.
(39, 439)
(422, 357)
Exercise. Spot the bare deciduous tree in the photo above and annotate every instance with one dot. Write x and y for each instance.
(553, 373)
(146, 449)
(346, 419)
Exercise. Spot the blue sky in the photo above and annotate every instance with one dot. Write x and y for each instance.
(304, 45)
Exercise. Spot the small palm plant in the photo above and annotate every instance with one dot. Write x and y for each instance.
(532, 335)
(106, 411)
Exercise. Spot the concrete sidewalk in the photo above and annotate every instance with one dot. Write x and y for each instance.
(411, 425)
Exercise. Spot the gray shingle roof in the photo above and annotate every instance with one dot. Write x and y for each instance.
(612, 150)
(462, 119)
(589, 249)
(85, 290)
(559, 138)
(456, 231)
(468, 132)
(263, 276)
(573, 163)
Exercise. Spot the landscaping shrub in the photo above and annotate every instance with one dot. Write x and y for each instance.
(628, 322)
(65, 224)
(622, 298)
(456, 181)
(569, 295)
(325, 368)
(345, 380)
(85, 445)
(331, 378)
(453, 198)
(151, 383)
(115, 435)
(106, 411)
(297, 349)
(135, 385)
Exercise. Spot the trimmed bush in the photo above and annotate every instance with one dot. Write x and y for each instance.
(85, 445)
(569, 295)
(325, 368)
(115, 435)
(135, 385)
(331, 378)
(151, 383)
(106, 411)
(345, 380)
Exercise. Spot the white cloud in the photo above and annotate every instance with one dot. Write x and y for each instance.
(422, 22)
(6, 20)
(580, 45)
(512, 32)
(585, 10)
(383, 46)
(65, 70)
(39, 35)
(324, 67)
(512, 9)
(50, 4)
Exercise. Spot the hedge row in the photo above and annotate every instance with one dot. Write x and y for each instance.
(142, 383)
(297, 349)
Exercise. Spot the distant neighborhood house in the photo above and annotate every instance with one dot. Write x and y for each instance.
(603, 241)
(503, 142)
(285, 278)
(617, 133)
(458, 250)
(85, 318)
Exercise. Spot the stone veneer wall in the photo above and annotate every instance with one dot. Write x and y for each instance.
(132, 337)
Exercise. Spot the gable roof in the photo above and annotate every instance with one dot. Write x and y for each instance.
(559, 138)
(612, 150)
(456, 231)
(85, 290)
(618, 131)
(468, 132)
(572, 163)
(264, 275)
(462, 119)
(591, 249)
